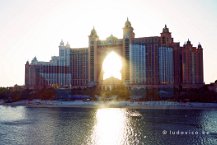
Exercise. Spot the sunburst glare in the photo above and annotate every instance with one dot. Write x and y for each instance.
(112, 66)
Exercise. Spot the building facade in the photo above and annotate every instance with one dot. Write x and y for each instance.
(147, 62)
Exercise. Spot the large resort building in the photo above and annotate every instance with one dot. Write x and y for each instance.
(147, 62)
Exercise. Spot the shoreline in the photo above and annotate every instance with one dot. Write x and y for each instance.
(112, 104)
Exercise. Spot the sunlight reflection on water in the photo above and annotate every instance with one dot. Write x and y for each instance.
(112, 127)
(109, 126)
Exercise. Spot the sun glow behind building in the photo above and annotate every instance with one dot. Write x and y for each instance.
(153, 62)
(34, 28)
(112, 66)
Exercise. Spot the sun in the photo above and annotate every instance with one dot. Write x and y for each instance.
(112, 66)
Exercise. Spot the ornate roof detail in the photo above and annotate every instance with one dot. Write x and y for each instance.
(127, 23)
(34, 60)
(199, 45)
(61, 43)
(93, 33)
(188, 42)
(68, 45)
(111, 38)
(165, 29)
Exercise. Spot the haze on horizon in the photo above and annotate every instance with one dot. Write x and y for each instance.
(35, 28)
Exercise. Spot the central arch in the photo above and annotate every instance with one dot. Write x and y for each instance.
(112, 66)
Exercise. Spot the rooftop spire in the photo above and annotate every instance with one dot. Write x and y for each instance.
(27, 62)
(61, 43)
(127, 23)
(34, 60)
(165, 29)
(93, 32)
(67, 45)
(188, 42)
(199, 45)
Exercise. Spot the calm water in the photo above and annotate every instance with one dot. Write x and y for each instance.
(72, 126)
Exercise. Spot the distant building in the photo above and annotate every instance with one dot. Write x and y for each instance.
(148, 62)
(192, 65)
(69, 69)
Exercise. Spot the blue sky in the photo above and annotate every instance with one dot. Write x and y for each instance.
(35, 28)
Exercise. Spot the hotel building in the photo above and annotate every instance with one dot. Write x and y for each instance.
(148, 62)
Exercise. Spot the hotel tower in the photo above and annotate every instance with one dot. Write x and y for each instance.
(147, 62)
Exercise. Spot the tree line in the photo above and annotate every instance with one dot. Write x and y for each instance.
(120, 92)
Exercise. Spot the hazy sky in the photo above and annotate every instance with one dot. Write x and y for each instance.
(31, 28)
